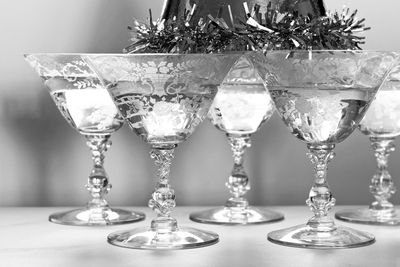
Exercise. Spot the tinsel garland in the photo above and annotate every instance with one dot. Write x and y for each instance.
(271, 31)
(183, 36)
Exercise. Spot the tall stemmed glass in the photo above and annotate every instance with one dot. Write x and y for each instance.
(163, 97)
(382, 125)
(322, 96)
(240, 107)
(88, 108)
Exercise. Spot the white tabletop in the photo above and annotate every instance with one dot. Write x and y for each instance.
(28, 239)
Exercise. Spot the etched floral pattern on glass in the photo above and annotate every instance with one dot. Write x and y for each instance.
(322, 96)
(382, 125)
(163, 98)
(241, 106)
(88, 108)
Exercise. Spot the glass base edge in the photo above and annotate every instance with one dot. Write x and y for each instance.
(146, 239)
(221, 216)
(365, 216)
(301, 236)
(80, 217)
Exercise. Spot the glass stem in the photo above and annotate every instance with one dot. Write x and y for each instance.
(238, 182)
(163, 198)
(382, 187)
(320, 199)
(98, 183)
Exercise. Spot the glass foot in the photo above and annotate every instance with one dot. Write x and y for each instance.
(228, 216)
(96, 217)
(368, 216)
(305, 237)
(145, 238)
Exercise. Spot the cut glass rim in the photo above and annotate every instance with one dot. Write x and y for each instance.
(333, 50)
(232, 53)
(138, 55)
(225, 53)
(84, 56)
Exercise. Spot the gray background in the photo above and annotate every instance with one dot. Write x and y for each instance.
(43, 162)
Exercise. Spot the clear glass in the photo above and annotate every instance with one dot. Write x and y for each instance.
(240, 107)
(321, 96)
(88, 108)
(163, 97)
(382, 125)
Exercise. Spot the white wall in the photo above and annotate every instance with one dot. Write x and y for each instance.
(44, 162)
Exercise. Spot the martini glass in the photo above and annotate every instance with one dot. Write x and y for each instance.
(382, 125)
(240, 107)
(163, 97)
(88, 108)
(321, 97)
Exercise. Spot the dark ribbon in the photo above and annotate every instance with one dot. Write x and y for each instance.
(171, 8)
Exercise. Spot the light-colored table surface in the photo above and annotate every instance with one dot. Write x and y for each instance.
(28, 239)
